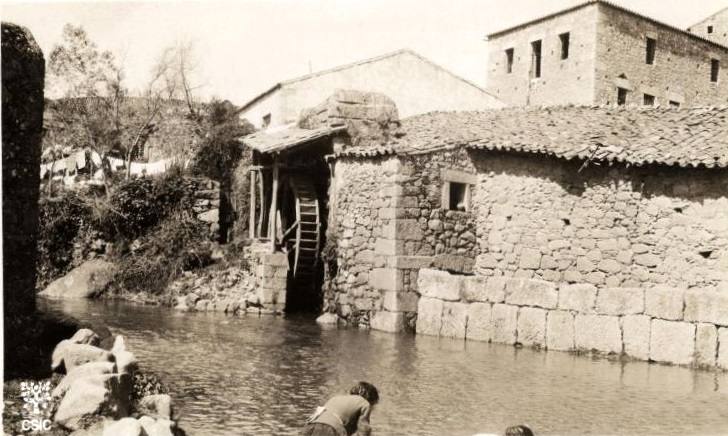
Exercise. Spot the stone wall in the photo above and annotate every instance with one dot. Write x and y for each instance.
(681, 70)
(361, 198)
(563, 80)
(657, 323)
(719, 24)
(206, 196)
(607, 49)
(611, 227)
(23, 71)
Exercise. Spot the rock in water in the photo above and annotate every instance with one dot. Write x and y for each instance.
(84, 281)
(328, 318)
(85, 336)
(123, 427)
(159, 427)
(80, 372)
(158, 406)
(72, 355)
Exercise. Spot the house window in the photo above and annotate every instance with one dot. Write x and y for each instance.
(651, 48)
(536, 59)
(674, 104)
(621, 96)
(456, 189)
(564, 38)
(649, 100)
(714, 70)
(458, 199)
(710, 29)
(509, 60)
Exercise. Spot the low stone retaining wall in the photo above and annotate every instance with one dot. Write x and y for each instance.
(661, 324)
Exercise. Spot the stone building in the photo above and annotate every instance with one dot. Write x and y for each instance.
(601, 53)
(569, 228)
(416, 84)
(715, 27)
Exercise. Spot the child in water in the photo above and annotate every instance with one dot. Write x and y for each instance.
(344, 415)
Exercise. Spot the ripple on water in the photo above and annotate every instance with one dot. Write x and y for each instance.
(253, 375)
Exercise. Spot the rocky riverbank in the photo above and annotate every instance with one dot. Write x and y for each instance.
(97, 389)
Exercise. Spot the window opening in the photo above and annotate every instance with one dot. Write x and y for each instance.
(714, 70)
(509, 60)
(458, 197)
(621, 96)
(651, 49)
(564, 37)
(649, 100)
(536, 58)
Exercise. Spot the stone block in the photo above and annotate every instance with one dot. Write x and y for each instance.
(531, 327)
(672, 342)
(723, 351)
(454, 262)
(276, 259)
(400, 301)
(597, 332)
(454, 320)
(439, 284)
(504, 319)
(429, 316)
(387, 279)
(706, 305)
(665, 303)
(537, 293)
(410, 262)
(479, 323)
(386, 321)
(388, 247)
(484, 289)
(636, 336)
(706, 345)
(403, 229)
(620, 301)
(530, 259)
(560, 330)
(579, 297)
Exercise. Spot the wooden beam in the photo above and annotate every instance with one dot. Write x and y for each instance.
(251, 217)
(261, 191)
(273, 206)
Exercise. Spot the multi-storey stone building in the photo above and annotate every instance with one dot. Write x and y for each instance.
(715, 27)
(601, 53)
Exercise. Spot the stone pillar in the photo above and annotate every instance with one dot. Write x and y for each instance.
(23, 71)
(271, 273)
(396, 274)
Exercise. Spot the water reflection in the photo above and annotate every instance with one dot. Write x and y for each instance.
(253, 375)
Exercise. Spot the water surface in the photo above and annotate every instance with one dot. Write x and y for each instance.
(264, 375)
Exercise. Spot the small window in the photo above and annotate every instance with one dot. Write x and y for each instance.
(710, 29)
(621, 96)
(674, 104)
(266, 120)
(649, 100)
(536, 59)
(458, 197)
(509, 60)
(714, 70)
(651, 48)
(564, 38)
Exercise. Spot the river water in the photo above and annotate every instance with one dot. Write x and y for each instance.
(264, 375)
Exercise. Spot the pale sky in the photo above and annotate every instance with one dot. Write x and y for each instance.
(246, 46)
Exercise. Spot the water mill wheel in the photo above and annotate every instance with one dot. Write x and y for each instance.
(304, 235)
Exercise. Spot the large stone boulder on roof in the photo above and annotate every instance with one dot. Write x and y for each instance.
(370, 117)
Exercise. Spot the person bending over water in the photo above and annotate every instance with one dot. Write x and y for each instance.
(344, 415)
(519, 430)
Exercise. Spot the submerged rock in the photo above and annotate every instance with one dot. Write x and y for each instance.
(123, 427)
(85, 281)
(327, 318)
(158, 406)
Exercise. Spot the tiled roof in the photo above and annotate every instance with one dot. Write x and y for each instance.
(276, 140)
(632, 135)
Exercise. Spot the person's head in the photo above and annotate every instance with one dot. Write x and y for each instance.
(366, 391)
(519, 430)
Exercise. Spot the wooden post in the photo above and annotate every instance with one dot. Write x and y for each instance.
(273, 206)
(251, 218)
(261, 190)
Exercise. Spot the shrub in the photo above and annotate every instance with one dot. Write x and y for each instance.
(177, 244)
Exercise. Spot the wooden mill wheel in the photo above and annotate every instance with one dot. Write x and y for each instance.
(307, 241)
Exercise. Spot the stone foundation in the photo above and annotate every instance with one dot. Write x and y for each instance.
(660, 324)
(271, 272)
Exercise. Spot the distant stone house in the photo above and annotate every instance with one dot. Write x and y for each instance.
(715, 27)
(569, 228)
(601, 53)
(416, 84)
